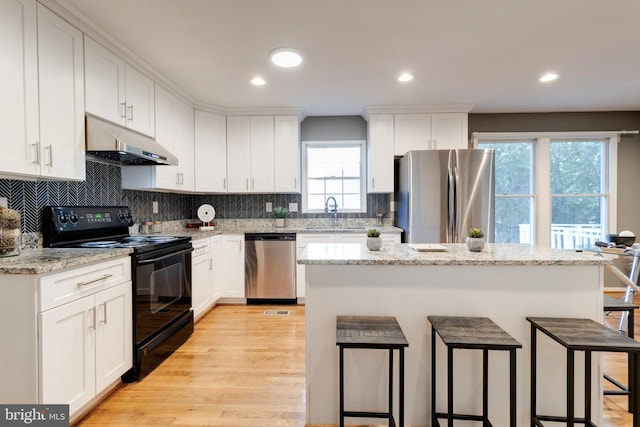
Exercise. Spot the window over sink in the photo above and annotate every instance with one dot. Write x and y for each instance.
(333, 169)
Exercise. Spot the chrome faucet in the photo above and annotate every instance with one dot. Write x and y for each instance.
(333, 210)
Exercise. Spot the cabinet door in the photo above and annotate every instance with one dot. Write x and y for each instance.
(232, 266)
(238, 153)
(19, 87)
(67, 353)
(287, 154)
(262, 154)
(210, 152)
(216, 267)
(61, 100)
(302, 240)
(104, 83)
(114, 340)
(166, 177)
(449, 131)
(183, 133)
(412, 132)
(351, 238)
(380, 154)
(201, 289)
(139, 94)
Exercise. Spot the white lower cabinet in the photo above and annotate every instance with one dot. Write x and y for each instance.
(232, 265)
(202, 292)
(73, 335)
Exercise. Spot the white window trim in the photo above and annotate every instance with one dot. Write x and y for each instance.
(363, 173)
(542, 201)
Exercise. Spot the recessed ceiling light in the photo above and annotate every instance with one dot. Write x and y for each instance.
(258, 81)
(405, 77)
(285, 57)
(548, 77)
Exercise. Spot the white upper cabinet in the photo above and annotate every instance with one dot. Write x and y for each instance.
(116, 91)
(42, 93)
(250, 149)
(435, 131)
(287, 154)
(174, 131)
(380, 154)
(210, 152)
(61, 97)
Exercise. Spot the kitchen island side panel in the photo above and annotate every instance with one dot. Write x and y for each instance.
(506, 294)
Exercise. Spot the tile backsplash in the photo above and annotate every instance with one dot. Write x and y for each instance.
(103, 187)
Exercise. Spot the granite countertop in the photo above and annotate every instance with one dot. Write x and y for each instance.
(47, 260)
(456, 254)
(257, 228)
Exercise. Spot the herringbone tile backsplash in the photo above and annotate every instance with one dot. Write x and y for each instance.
(103, 187)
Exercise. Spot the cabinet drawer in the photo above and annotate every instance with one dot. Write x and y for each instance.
(201, 247)
(61, 288)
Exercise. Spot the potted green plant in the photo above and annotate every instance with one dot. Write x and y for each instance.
(280, 213)
(374, 242)
(475, 240)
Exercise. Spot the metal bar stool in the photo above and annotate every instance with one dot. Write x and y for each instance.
(580, 335)
(614, 304)
(372, 332)
(472, 333)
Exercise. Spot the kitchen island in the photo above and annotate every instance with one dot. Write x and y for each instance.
(505, 282)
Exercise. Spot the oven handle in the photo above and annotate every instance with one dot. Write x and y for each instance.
(149, 261)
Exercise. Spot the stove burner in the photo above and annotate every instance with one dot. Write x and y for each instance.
(160, 239)
(100, 244)
(135, 238)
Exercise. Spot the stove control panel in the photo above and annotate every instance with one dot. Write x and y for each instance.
(67, 218)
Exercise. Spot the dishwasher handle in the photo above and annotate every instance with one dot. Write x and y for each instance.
(290, 237)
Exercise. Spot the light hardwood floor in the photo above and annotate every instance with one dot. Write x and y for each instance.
(243, 368)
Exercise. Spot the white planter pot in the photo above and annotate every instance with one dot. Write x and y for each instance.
(374, 243)
(475, 244)
(280, 222)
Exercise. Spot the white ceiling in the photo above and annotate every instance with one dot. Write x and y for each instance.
(484, 53)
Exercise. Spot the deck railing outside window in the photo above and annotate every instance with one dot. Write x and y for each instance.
(567, 236)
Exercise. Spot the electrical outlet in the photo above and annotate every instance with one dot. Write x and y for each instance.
(293, 207)
(269, 207)
(4, 202)
(155, 207)
(393, 206)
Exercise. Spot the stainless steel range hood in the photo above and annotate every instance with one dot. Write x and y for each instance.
(111, 142)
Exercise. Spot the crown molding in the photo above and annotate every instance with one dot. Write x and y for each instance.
(415, 109)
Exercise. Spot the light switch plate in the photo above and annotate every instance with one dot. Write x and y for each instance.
(155, 207)
(4, 202)
(293, 207)
(269, 207)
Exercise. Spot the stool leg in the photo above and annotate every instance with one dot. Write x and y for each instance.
(450, 386)
(587, 385)
(635, 357)
(401, 386)
(570, 389)
(512, 387)
(433, 376)
(630, 365)
(533, 375)
(390, 387)
(341, 386)
(485, 385)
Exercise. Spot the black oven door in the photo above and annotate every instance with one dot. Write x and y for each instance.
(162, 289)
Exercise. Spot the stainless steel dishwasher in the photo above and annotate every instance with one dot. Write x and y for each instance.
(270, 268)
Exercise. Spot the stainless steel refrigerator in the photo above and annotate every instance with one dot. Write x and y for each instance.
(444, 193)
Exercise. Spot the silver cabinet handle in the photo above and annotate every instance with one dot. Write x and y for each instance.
(130, 109)
(106, 276)
(435, 144)
(123, 113)
(210, 264)
(247, 183)
(295, 183)
(182, 179)
(93, 318)
(177, 178)
(224, 183)
(36, 157)
(104, 313)
(253, 183)
(50, 148)
(373, 182)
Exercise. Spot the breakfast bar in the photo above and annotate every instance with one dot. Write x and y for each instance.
(504, 282)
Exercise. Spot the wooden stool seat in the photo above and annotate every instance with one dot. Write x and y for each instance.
(616, 304)
(472, 333)
(372, 332)
(580, 335)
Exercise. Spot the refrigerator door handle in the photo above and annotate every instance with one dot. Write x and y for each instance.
(451, 221)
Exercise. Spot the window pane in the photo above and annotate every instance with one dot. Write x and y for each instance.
(351, 169)
(334, 186)
(575, 221)
(316, 202)
(315, 186)
(576, 167)
(513, 220)
(352, 186)
(351, 201)
(512, 166)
